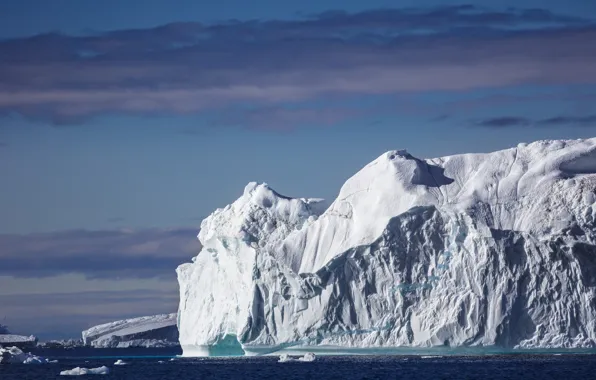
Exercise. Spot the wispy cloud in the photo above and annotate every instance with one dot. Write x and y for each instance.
(114, 254)
(513, 121)
(502, 122)
(191, 67)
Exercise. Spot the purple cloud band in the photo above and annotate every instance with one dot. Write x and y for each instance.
(98, 254)
(190, 67)
(516, 121)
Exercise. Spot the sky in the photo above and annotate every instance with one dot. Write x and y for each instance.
(124, 123)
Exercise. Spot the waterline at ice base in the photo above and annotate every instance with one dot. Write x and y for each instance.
(490, 252)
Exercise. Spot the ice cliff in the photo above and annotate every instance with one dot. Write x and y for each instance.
(152, 331)
(484, 250)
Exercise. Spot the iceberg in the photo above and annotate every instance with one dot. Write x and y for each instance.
(151, 331)
(14, 355)
(18, 340)
(493, 250)
(9, 339)
(62, 343)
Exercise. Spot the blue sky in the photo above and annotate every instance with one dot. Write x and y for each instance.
(123, 124)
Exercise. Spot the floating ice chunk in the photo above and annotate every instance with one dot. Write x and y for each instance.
(35, 360)
(120, 362)
(15, 355)
(308, 357)
(78, 371)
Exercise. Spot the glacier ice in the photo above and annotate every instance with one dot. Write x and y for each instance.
(471, 250)
(151, 331)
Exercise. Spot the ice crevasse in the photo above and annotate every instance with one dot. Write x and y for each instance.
(470, 250)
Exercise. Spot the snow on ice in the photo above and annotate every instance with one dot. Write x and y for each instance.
(152, 331)
(474, 250)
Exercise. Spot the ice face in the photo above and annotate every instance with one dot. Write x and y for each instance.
(489, 249)
(151, 331)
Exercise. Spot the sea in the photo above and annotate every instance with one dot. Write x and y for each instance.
(149, 364)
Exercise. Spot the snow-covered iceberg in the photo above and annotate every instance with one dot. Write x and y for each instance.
(482, 250)
(152, 331)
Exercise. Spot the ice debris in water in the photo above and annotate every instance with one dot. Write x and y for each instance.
(120, 362)
(78, 371)
(308, 357)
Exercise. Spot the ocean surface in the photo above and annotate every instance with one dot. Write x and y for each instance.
(148, 364)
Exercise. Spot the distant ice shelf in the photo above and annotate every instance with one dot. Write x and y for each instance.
(492, 251)
(151, 331)
(8, 339)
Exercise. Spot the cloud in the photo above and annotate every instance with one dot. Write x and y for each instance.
(117, 254)
(503, 122)
(512, 121)
(569, 120)
(186, 68)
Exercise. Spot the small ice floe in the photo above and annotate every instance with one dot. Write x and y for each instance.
(308, 357)
(78, 371)
(120, 362)
(15, 355)
(160, 361)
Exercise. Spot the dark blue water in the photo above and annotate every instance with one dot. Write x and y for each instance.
(145, 365)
